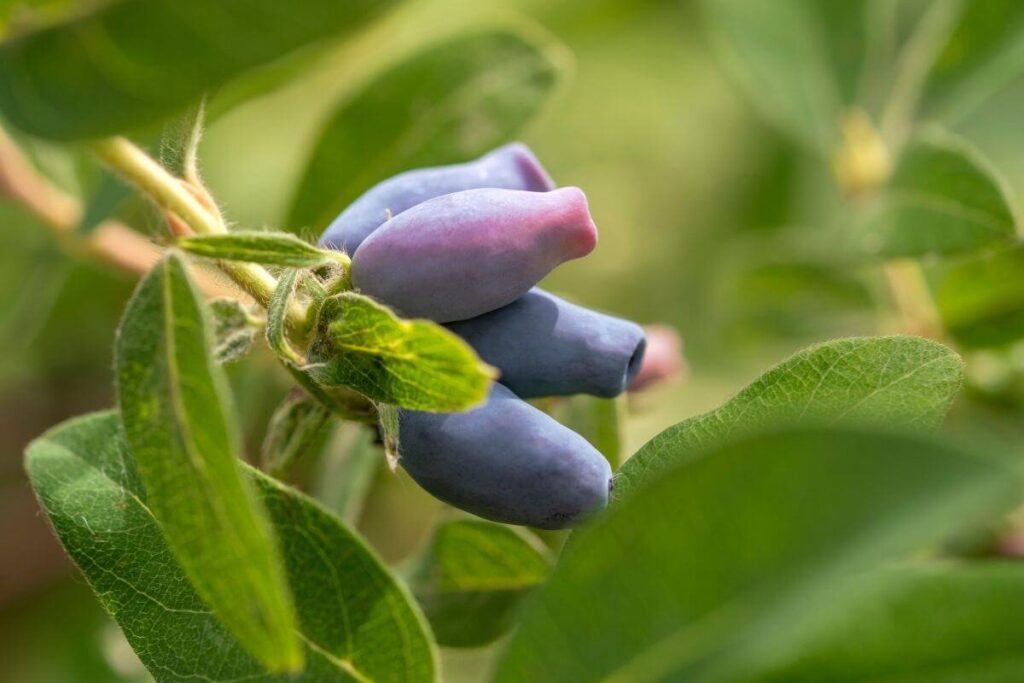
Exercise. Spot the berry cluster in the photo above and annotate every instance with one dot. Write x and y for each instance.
(464, 245)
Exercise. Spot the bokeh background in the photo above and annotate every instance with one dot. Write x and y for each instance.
(709, 221)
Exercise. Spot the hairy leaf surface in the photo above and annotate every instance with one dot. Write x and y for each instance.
(905, 382)
(355, 622)
(178, 421)
(413, 364)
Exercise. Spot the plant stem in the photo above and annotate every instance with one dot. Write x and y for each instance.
(172, 195)
(111, 242)
(909, 291)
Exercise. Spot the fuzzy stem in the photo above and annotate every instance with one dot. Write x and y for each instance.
(171, 195)
(111, 242)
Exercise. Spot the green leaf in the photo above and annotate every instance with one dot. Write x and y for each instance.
(451, 102)
(981, 299)
(338, 400)
(133, 63)
(390, 432)
(270, 248)
(355, 621)
(179, 143)
(110, 193)
(473, 577)
(295, 428)
(914, 624)
(797, 60)
(723, 552)
(943, 198)
(596, 420)
(347, 470)
(174, 405)
(984, 53)
(413, 364)
(234, 329)
(906, 382)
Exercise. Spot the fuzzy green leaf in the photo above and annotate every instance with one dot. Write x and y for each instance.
(132, 63)
(905, 382)
(296, 427)
(356, 622)
(234, 330)
(942, 198)
(269, 248)
(451, 102)
(175, 407)
(413, 364)
(473, 577)
(719, 555)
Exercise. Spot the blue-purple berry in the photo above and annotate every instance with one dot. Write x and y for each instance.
(512, 167)
(467, 253)
(545, 346)
(506, 461)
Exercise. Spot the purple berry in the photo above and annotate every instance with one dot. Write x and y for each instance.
(546, 346)
(506, 461)
(467, 253)
(512, 167)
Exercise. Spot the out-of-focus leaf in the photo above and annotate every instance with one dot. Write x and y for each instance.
(179, 143)
(174, 405)
(906, 382)
(413, 364)
(720, 554)
(271, 248)
(942, 198)
(916, 624)
(295, 428)
(347, 471)
(110, 193)
(234, 330)
(448, 103)
(356, 622)
(135, 62)
(981, 299)
(596, 420)
(473, 577)
(984, 53)
(797, 60)
(25, 312)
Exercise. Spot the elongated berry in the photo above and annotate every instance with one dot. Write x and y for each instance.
(512, 167)
(505, 461)
(467, 253)
(545, 346)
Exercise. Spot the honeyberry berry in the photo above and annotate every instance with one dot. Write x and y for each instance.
(545, 346)
(467, 253)
(663, 361)
(512, 167)
(506, 461)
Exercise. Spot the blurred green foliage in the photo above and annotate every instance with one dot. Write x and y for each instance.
(711, 219)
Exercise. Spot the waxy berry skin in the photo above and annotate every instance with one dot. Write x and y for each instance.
(545, 346)
(511, 167)
(467, 253)
(506, 461)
